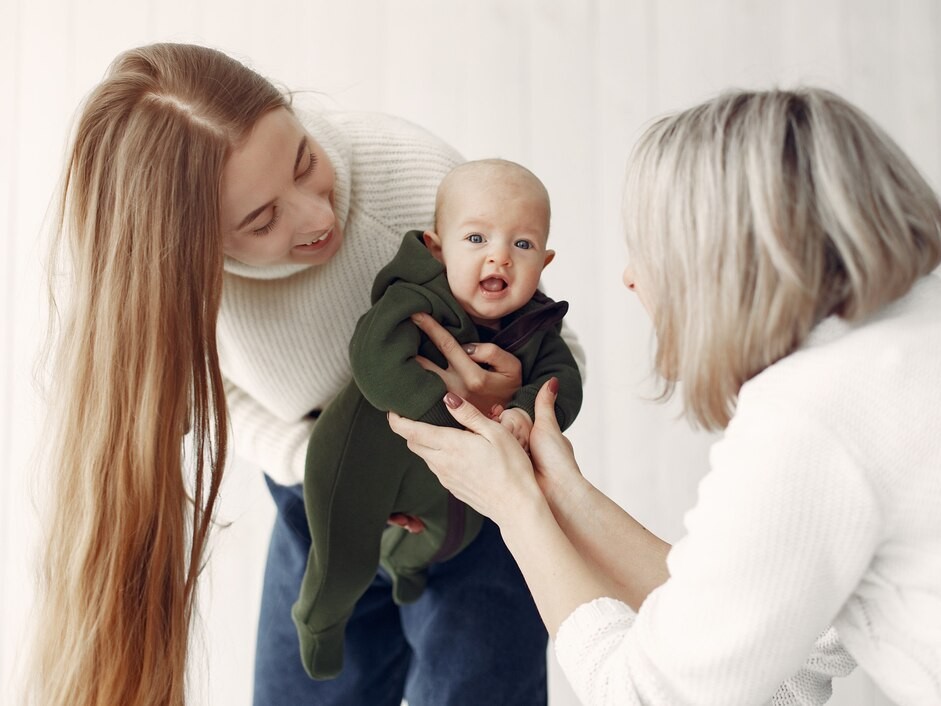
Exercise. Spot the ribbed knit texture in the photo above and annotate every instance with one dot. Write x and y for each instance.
(284, 331)
(821, 508)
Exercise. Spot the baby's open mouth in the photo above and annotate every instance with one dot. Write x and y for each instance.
(493, 284)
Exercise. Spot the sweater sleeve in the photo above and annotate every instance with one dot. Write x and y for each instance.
(784, 528)
(276, 446)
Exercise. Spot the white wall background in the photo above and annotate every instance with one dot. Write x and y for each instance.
(561, 86)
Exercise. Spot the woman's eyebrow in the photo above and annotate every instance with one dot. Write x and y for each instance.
(252, 216)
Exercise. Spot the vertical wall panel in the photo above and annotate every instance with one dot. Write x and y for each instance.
(871, 46)
(93, 43)
(917, 124)
(180, 20)
(340, 53)
(423, 49)
(651, 461)
(12, 600)
(626, 68)
(562, 139)
(493, 63)
(40, 96)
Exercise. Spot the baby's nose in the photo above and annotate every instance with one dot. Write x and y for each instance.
(500, 255)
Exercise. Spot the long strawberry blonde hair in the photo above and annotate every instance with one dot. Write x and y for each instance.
(137, 374)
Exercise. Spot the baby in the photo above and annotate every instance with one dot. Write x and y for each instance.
(477, 274)
(491, 228)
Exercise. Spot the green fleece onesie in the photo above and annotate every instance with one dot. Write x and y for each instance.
(359, 471)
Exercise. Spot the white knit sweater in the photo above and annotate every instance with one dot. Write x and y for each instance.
(284, 331)
(822, 507)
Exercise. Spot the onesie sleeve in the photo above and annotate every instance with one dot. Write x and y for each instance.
(382, 355)
(785, 526)
(554, 359)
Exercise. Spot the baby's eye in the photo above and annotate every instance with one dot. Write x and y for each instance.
(475, 238)
(523, 244)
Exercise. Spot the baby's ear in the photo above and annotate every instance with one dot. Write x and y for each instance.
(550, 256)
(433, 243)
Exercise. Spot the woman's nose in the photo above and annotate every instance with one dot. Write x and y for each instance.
(314, 213)
(628, 278)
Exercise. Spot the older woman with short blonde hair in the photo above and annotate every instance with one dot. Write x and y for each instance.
(783, 246)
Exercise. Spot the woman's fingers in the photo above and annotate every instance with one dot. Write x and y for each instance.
(427, 438)
(446, 343)
(417, 434)
(429, 366)
(495, 358)
(545, 405)
(468, 415)
(483, 464)
(551, 452)
(465, 375)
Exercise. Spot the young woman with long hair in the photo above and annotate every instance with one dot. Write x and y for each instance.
(219, 246)
(784, 248)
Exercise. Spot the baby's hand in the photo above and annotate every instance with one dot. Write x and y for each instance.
(519, 424)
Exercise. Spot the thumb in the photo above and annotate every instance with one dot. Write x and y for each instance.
(545, 405)
(467, 414)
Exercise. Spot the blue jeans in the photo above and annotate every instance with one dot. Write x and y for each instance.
(474, 637)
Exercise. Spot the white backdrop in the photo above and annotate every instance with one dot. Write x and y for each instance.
(561, 86)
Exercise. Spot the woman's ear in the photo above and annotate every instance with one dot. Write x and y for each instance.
(550, 256)
(433, 243)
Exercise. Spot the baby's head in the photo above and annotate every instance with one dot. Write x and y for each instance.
(491, 228)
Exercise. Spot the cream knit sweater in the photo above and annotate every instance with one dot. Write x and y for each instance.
(283, 331)
(822, 507)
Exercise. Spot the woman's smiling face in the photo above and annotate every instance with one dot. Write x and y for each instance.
(277, 197)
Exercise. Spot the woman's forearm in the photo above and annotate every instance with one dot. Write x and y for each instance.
(579, 545)
(609, 538)
(559, 577)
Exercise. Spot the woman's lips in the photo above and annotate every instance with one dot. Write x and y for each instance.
(316, 244)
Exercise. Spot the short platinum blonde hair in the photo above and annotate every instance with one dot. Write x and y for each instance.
(753, 216)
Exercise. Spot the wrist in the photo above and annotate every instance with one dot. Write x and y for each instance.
(567, 493)
(523, 515)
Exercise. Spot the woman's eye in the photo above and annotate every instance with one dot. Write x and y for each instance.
(310, 167)
(269, 226)
(475, 238)
(523, 244)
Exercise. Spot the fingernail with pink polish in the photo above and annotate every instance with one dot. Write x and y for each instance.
(470, 348)
(452, 400)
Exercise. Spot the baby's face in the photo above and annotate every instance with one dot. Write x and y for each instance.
(492, 239)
